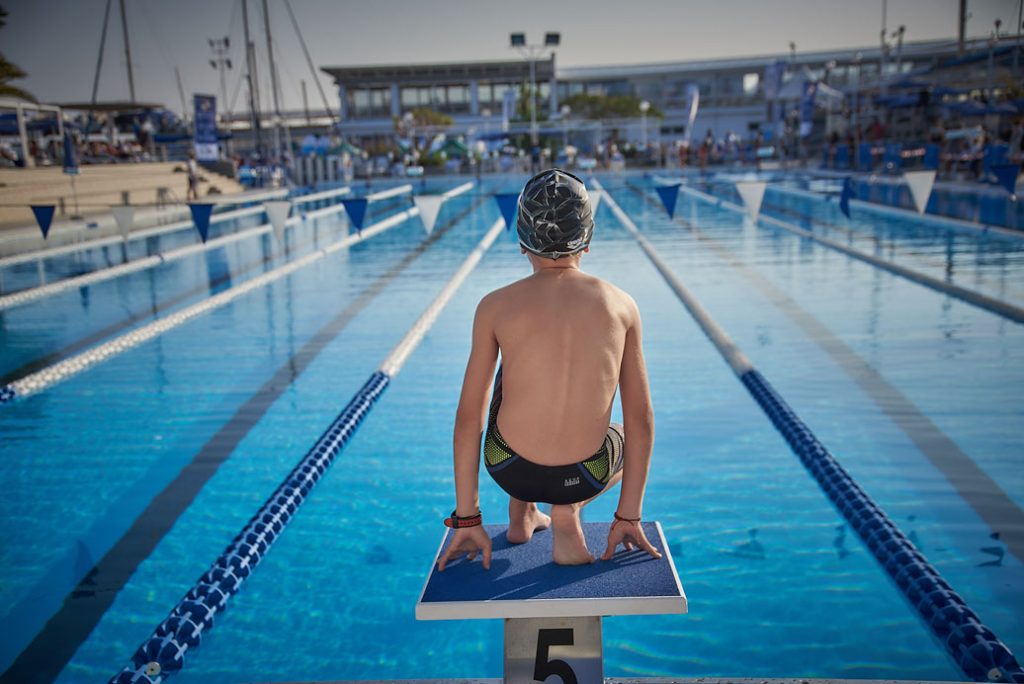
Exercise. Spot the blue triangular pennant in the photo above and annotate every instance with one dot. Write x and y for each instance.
(1006, 175)
(356, 210)
(201, 217)
(669, 194)
(508, 202)
(44, 217)
(845, 196)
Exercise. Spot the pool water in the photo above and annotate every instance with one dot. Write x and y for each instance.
(778, 585)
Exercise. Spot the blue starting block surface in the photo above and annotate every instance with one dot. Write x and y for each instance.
(524, 582)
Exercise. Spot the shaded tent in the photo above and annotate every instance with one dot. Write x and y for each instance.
(455, 148)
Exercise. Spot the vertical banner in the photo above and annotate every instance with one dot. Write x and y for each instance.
(669, 194)
(807, 108)
(277, 213)
(356, 210)
(429, 206)
(1006, 176)
(508, 203)
(205, 118)
(692, 105)
(773, 79)
(124, 216)
(752, 194)
(920, 183)
(201, 217)
(44, 217)
(70, 155)
(846, 195)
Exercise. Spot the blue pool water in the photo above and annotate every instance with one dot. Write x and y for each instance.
(778, 585)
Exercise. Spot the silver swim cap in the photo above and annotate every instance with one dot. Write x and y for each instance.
(555, 215)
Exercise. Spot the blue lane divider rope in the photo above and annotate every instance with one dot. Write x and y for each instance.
(974, 647)
(978, 652)
(164, 652)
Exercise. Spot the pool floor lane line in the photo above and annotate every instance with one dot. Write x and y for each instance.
(983, 494)
(991, 304)
(54, 646)
(163, 653)
(977, 650)
(47, 377)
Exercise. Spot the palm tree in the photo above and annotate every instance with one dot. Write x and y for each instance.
(10, 72)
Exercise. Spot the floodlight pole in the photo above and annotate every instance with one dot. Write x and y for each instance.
(532, 52)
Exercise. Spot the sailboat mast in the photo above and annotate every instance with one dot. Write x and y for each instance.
(127, 53)
(273, 83)
(250, 76)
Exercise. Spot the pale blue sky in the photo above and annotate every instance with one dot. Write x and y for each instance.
(57, 41)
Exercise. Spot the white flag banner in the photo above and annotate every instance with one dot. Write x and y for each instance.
(595, 199)
(429, 206)
(920, 183)
(124, 216)
(752, 194)
(277, 212)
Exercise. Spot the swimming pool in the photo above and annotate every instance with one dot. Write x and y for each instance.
(239, 394)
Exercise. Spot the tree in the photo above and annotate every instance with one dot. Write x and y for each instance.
(607, 107)
(11, 72)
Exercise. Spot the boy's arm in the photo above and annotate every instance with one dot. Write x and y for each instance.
(638, 424)
(469, 426)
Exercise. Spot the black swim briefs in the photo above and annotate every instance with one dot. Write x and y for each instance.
(565, 484)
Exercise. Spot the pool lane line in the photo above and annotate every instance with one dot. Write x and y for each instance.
(163, 653)
(34, 293)
(985, 496)
(47, 377)
(976, 649)
(153, 311)
(990, 304)
(84, 606)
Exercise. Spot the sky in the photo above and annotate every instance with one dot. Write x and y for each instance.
(57, 41)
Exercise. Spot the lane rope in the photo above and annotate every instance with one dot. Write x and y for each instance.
(163, 653)
(976, 649)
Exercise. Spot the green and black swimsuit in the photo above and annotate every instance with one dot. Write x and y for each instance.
(565, 484)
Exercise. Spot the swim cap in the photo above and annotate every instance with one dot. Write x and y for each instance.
(555, 215)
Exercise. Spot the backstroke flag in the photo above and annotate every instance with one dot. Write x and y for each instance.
(201, 217)
(920, 183)
(44, 217)
(508, 202)
(356, 210)
(277, 214)
(1006, 175)
(429, 206)
(669, 194)
(124, 216)
(752, 194)
(846, 195)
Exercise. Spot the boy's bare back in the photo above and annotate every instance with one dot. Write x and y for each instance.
(562, 335)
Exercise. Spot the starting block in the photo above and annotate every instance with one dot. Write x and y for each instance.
(553, 613)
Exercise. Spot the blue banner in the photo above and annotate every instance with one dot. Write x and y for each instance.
(205, 118)
(356, 210)
(201, 217)
(1006, 175)
(508, 202)
(773, 79)
(44, 217)
(807, 108)
(845, 196)
(70, 155)
(669, 194)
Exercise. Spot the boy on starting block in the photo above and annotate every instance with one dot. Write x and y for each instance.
(567, 341)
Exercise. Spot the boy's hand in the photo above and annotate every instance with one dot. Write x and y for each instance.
(628, 533)
(470, 541)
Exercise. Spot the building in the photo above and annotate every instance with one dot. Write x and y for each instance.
(733, 93)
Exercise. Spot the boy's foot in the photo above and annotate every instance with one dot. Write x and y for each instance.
(523, 520)
(569, 547)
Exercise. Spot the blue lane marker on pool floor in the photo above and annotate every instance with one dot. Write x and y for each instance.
(523, 581)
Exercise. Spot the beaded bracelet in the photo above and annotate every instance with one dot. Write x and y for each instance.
(456, 522)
